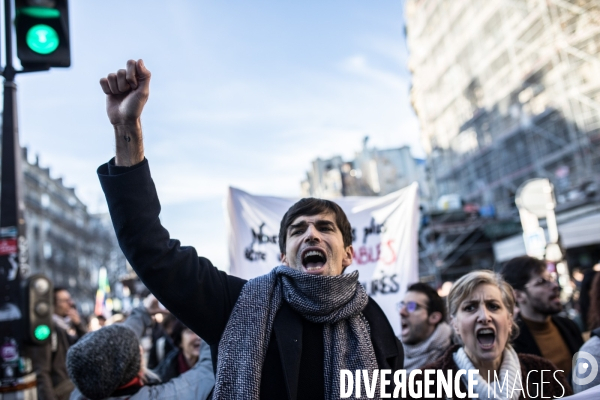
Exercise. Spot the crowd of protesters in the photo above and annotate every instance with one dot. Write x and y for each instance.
(287, 334)
(106, 359)
(489, 336)
(518, 308)
(109, 363)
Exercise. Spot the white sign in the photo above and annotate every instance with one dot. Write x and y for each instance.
(384, 231)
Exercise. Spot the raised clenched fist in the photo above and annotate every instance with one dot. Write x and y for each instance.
(126, 93)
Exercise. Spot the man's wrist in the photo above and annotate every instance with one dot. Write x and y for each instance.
(129, 143)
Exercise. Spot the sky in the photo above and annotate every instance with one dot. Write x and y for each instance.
(243, 94)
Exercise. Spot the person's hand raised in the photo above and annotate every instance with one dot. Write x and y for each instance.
(74, 316)
(126, 93)
(153, 306)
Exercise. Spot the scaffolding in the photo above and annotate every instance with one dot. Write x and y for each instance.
(505, 91)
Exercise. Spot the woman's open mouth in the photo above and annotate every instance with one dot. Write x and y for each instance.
(486, 338)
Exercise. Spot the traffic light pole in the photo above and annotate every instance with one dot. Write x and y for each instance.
(15, 371)
(11, 325)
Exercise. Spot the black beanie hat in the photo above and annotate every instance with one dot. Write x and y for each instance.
(102, 361)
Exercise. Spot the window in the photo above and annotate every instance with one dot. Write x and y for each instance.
(45, 200)
(47, 250)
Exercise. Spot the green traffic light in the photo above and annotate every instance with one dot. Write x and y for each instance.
(42, 39)
(41, 332)
(39, 12)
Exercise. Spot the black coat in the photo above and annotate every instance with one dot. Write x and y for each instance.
(169, 366)
(159, 333)
(202, 296)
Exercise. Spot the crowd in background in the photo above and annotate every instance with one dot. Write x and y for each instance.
(150, 354)
(519, 308)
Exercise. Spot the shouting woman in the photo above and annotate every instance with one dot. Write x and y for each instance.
(481, 305)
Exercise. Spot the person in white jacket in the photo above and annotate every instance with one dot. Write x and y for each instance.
(108, 364)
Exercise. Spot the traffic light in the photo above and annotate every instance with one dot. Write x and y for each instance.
(39, 301)
(42, 28)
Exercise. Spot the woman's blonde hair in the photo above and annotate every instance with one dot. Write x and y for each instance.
(466, 285)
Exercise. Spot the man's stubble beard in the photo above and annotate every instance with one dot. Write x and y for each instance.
(544, 308)
(420, 336)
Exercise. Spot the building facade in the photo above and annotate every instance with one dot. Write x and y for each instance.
(65, 241)
(373, 172)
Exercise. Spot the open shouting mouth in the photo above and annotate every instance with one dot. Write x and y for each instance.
(314, 260)
(405, 327)
(486, 338)
(554, 298)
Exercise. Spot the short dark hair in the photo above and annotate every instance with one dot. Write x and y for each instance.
(59, 289)
(436, 304)
(518, 271)
(308, 207)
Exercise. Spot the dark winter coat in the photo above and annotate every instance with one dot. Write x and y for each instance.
(551, 388)
(162, 344)
(169, 366)
(202, 297)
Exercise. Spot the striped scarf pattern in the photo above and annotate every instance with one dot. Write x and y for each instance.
(335, 301)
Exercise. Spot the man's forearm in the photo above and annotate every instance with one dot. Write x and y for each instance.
(129, 144)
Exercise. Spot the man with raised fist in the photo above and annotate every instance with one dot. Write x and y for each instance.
(284, 335)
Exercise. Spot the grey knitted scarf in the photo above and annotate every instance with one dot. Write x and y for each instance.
(335, 301)
(420, 354)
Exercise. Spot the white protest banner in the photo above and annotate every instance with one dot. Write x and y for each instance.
(384, 232)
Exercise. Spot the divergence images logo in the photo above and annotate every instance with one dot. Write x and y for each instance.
(585, 369)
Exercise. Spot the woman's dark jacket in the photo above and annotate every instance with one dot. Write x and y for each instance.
(202, 297)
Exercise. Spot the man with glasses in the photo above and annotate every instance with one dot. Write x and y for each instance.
(425, 333)
(543, 332)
